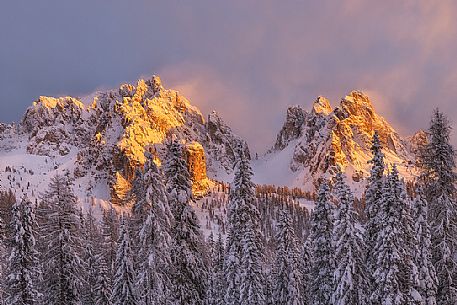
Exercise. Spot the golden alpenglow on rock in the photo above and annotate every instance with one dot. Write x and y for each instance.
(109, 133)
(196, 162)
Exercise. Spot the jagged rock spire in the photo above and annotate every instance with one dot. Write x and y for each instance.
(156, 83)
(322, 105)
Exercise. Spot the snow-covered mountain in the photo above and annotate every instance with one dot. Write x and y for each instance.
(102, 143)
(312, 143)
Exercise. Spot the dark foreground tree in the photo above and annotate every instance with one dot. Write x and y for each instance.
(61, 237)
(23, 268)
(437, 161)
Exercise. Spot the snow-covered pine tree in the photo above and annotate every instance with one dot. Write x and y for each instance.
(373, 194)
(232, 257)
(217, 277)
(287, 273)
(437, 161)
(136, 198)
(61, 237)
(103, 283)
(124, 289)
(137, 195)
(210, 290)
(350, 278)
(91, 241)
(252, 278)
(23, 267)
(188, 253)
(244, 257)
(110, 232)
(178, 182)
(322, 249)
(154, 258)
(7, 200)
(395, 270)
(306, 270)
(427, 275)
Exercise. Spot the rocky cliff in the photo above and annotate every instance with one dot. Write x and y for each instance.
(102, 141)
(110, 136)
(317, 141)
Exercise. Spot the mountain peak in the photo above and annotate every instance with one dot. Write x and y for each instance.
(156, 83)
(106, 142)
(356, 102)
(322, 105)
(292, 127)
(60, 102)
(317, 142)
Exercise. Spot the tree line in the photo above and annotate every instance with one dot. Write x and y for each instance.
(402, 251)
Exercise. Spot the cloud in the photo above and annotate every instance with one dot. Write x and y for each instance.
(246, 59)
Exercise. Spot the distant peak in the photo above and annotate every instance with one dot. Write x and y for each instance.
(322, 105)
(156, 83)
(420, 137)
(357, 97)
(213, 116)
(61, 102)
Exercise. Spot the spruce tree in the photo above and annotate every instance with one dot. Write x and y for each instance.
(395, 269)
(232, 259)
(188, 253)
(306, 270)
(92, 240)
(154, 258)
(437, 162)
(215, 287)
(124, 288)
(136, 198)
(7, 200)
(373, 197)
(244, 257)
(210, 292)
(217, 277)
(322, 249)
(61, 236)
(110, 232)
(423, 258)
(137, 195)
(252, 278)
(373, 193)
(22, 266)
(350, 278)
(178, 182)
(287, 273)
(103, 283)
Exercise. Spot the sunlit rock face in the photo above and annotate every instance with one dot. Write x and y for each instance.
(54, 125)
(321, 105)
(196, 162)
(325, 138)
(112, 133)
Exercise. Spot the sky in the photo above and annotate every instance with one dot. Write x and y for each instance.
(246, 59)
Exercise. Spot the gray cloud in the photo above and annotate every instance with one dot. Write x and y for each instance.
(246, 59)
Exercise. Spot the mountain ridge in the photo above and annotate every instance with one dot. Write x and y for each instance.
(104, 140)
(315, 142)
